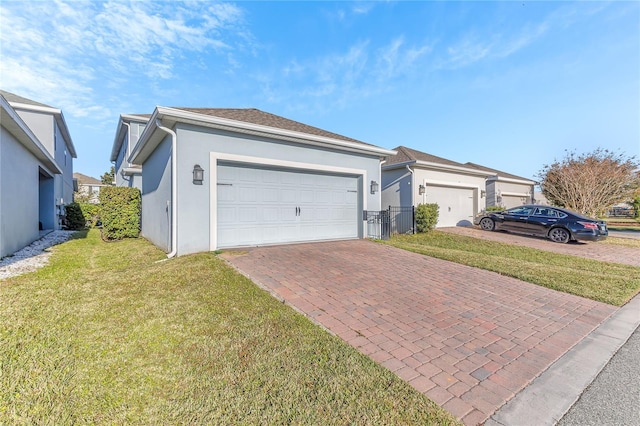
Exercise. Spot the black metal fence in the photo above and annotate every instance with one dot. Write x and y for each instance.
(395, 220)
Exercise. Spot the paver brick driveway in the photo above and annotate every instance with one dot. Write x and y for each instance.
(467, 338)
(590, 250)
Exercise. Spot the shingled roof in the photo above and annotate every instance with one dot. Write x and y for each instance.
(406, 155)
(256, 116)
(13, 98)
(86, 180)
(497, 172)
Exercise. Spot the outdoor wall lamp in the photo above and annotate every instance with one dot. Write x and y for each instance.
(198, 174)
(483, 193)
(374, 186)
(421, 190)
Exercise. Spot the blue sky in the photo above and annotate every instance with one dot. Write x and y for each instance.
(510, 85)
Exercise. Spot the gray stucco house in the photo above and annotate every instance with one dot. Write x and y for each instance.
(218, 178)
(36, 170)
(413, 177)
(507, 190)
(130, 127)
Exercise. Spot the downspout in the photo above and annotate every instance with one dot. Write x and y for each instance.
(126, 159)
(412, 184)
(128, 140)
(174, 190)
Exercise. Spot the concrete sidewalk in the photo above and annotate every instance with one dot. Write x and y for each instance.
(548, 398)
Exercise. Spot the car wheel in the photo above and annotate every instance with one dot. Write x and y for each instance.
(559, 235)
(487, 224)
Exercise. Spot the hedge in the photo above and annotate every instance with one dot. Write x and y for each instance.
(91, 213)
(426, 217)
(74, 219)
(120, 212)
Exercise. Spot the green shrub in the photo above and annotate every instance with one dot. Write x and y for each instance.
(426, 217)
(91, 213)
(73, 216)
(494, 209)
(120, 212)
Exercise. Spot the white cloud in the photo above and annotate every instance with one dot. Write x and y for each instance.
(55, 51)
(357, 73)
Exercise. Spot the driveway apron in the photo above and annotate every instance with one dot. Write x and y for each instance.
(468, 339)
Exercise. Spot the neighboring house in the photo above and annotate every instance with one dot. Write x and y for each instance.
(89, 187)
(36, 170)
(412, 177)
(507, 190)
(130, 127)
(220, 178)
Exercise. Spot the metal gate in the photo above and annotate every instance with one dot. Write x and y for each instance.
(395, 220)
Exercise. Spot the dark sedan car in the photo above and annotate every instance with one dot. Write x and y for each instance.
(559, 225)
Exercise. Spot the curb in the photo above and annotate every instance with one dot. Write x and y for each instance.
(548, 398)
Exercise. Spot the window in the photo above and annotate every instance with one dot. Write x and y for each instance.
(520, 211)
(547, 212)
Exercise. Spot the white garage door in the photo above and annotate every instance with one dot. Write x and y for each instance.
(266, 206)
(456, 204)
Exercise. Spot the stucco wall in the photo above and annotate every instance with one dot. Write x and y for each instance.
(156, 196)
(194, 147)
(130, 139)
(396, 188)
(503, 194)
(454, 179)
(18, 195)
(64, 160)
(42, 125)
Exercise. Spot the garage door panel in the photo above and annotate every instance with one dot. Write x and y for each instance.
(456, 205)
(266, 206)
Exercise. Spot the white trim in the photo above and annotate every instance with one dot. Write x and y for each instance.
(27, 138)
(434, 182)
(439, 166)
(39, 108)
(514, 194)
(243, 125)
(511, 180)
(214, 157)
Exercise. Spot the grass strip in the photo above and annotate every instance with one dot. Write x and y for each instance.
(610, 283)
(105, 335)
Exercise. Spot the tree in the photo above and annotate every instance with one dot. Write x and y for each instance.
(109, 177)
(635, 202)
(590, 183)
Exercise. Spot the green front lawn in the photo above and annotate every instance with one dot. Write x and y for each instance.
(605, 282)
(105, 335)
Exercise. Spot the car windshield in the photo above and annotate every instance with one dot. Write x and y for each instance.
(520, 211)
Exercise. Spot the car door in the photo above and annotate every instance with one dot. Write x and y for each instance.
(542, 219)
(515, 219)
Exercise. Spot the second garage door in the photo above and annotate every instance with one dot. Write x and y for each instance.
(269, 206)
(456, 204)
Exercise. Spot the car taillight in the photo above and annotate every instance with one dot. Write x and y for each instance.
(589, 225)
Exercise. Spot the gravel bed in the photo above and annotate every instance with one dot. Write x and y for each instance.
(33, 256)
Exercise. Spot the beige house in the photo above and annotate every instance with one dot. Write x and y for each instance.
(88, 187)
(507, 190)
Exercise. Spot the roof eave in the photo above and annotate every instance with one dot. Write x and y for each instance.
(118, 140)
(438, 166)
(19, 129)
(512, 180)
(143, 149)
(58, 116)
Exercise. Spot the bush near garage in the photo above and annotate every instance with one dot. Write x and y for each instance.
(426, 217)
(74, 219)
(120, 212)
(494, 209)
